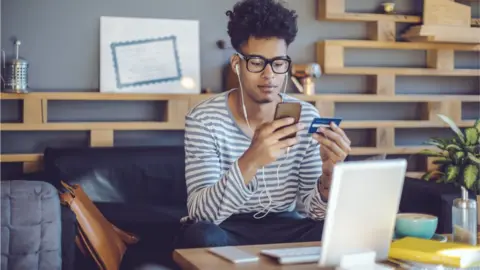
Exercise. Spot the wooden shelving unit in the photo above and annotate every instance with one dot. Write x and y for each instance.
(330, 55)
(440, 61)
(381, 26)
(35, 117)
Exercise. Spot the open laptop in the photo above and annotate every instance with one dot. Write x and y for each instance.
(361, 212)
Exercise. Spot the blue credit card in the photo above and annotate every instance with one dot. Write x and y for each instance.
(323, 122)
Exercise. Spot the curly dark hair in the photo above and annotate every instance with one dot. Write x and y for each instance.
(261, 19)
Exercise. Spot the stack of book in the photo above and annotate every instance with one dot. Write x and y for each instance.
(410, 252)
(444, 21)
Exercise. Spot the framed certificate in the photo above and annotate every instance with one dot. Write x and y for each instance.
(149, 56)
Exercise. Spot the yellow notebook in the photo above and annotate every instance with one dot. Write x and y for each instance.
(434, 252)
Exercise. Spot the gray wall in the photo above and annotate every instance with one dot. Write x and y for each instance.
(61, 42)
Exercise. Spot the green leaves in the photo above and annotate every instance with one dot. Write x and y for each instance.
(474, 158)
(471, 136)
(440, 143)
(452, 147)
(431, 175)
(457, 159)
(470, 174)
(453, 126)
(452, 173)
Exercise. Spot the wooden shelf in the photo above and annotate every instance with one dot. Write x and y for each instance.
(416, 175)
(35, 117)
(172, 126)
(94, 96)
(364, 151)
(369, 17)
(440, 59)
(334, 10)
(401, 71)
(393, 45)
(400, 124)
(374, 98)
(373, 17)
(69, 126)
(20, 157)
(199, 97)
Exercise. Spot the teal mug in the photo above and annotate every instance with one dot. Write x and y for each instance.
(415, 225)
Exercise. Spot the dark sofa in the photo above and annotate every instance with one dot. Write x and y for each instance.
(142, 190)
(139, 189)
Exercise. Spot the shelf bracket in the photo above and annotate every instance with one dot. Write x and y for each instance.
(176, 111)
(382, 31)
(325, 108)
(325, 7)
(34, 111)
(385, 137)
(441, 59)
(101, 138)
(385, 84)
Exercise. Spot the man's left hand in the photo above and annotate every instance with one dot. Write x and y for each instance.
(334, 144)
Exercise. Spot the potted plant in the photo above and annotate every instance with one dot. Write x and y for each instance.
(457, 158)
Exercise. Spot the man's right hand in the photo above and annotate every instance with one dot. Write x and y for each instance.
(267, 145)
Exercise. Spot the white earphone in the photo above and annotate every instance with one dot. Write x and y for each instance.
(266, 208)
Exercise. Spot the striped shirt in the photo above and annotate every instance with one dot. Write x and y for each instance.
(215, 186)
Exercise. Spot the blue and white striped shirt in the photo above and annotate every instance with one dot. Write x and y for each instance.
(215, 186)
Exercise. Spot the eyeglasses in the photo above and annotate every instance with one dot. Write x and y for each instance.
(258, 63)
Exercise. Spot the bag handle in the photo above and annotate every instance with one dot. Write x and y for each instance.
(66, 198)
(68, 187)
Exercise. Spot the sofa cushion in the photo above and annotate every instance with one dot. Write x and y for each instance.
(31, 226)
(129, 175)
(152, 223)
(143, 213)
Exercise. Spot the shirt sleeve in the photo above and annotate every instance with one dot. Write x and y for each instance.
(310, 172)
(212, 194)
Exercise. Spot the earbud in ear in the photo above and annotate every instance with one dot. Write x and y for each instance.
(237, 69)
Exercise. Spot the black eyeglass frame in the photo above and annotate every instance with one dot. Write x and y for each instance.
(266, 62)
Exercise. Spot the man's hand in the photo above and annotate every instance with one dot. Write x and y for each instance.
(334, 143)
(334, 148)
(267, 145)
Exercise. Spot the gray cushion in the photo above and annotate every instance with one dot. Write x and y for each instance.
(31, 226)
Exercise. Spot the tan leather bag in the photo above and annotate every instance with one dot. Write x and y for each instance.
(96, 236)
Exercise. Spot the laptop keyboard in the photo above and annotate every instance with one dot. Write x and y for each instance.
(294, 255)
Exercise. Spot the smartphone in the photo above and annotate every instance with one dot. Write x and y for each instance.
(289, 109)
(234, 254)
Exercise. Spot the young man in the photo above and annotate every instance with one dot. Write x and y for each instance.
(244, 182)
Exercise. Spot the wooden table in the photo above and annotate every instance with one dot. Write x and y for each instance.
(201, 258)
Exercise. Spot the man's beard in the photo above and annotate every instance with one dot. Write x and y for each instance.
(260, 101)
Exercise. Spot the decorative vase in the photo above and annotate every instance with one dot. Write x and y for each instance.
(388, 7)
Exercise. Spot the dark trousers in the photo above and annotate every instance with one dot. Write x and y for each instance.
(244, 229)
